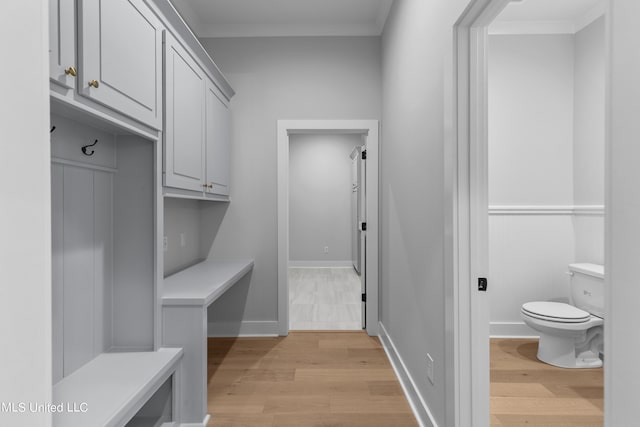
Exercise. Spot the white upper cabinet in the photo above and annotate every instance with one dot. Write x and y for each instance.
(218, 142)
(62, 43)
(120, 57)
(184, 144)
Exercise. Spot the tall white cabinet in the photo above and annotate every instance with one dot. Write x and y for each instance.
(197, 137)
(218, 142)
(120, 57)
(184, 133)
(139, 112)
(63, 69)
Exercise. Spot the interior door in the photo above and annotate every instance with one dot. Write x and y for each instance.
(362, 233)
(355, 191)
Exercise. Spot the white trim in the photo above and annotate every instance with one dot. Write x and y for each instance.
(321, 264)
(368, 128)
(65, 162)
(546, 210)
(245, 328)
(532, 27)
(287, 30)
(418, 405)
(549, 27)
(467, 258)
(511, 330)
(202, 424)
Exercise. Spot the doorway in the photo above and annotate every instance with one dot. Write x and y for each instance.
(367, 132)
(326, 213)
(470, 171)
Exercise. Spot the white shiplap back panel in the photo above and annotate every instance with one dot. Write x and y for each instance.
(103, 259)
(78, 267)
(82, 224)
(57, 280)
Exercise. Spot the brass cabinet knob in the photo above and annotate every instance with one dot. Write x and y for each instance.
(210, 186)
(94, 83)
(71, 71)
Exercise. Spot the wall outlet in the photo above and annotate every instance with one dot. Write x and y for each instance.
(165, 243)
(326, 249)
(430, 368)
(183, 240)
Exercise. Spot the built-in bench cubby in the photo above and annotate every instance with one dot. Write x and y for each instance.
(108, 368)
(139, 113)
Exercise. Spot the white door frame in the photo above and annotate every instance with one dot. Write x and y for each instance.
(468, 257)
(368, 128)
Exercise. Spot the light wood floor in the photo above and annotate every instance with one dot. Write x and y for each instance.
(527, 392)
(324, 299)
(335, 379)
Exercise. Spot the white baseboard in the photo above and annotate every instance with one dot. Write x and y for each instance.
(320, 264)
(511, 330)
(417, 403)
(202, 424)
(243, 329)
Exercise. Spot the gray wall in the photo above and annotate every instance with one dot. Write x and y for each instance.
(417, 58)
(622, 372)
(279, 78)
(181, 216)
(25, 216)
(320, 197)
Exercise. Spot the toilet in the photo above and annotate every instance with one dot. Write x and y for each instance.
(571, 335)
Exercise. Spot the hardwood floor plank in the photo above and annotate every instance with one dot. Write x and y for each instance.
(528, 392)
(305, 379)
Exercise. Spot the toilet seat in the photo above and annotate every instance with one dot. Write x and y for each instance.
(555, 312)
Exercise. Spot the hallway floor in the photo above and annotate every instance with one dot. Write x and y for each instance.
(527, 392)
(324, 299)
(336, 379)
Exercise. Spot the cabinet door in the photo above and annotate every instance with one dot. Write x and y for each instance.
(184, 128)
(120, 54)
(218, 142)
(62, 43)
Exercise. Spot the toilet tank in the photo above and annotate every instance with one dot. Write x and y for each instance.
(587, 287)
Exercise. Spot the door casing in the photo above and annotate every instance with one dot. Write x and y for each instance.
(370, 131)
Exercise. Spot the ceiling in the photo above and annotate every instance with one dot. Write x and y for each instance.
(547, 16)
(273, 18)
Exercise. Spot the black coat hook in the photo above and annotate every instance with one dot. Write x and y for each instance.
(85, 151)
(52, 129)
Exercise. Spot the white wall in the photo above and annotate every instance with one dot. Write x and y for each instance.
(25, 216)
(531, 122)
(546, 145)
(589, 135)
(622, 371)
(280, 78)
(320, 198)
(417, 64)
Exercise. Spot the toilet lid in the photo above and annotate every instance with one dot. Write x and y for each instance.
(555, 312)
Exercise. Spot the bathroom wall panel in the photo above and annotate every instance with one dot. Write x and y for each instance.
(589, 238)
(528, 258)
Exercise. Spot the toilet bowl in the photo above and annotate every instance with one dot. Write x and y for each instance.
(571, 335)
